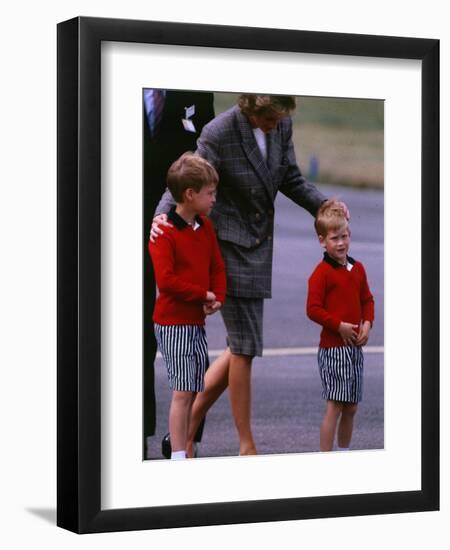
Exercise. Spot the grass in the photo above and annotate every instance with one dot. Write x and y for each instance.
(346, 136)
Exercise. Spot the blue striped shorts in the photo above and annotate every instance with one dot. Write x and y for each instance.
(185, 351)
(341, 372)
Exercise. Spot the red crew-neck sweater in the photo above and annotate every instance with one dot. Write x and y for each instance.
(187, 263)
(336, 294)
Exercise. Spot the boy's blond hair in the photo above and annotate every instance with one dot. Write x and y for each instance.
(190, 172)
(330, 217)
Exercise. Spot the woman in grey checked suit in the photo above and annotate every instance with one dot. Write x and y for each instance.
(251, 147)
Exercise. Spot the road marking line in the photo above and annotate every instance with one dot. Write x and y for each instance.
(280, 352)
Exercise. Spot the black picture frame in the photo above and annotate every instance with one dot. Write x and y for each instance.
(79, 275)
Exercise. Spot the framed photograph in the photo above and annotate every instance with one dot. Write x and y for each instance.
(285, 385)
(105, 480)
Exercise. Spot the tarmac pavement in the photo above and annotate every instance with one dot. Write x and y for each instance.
(287, 409)
(287, 405)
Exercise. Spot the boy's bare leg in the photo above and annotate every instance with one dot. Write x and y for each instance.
(239, 380)
(216, 381)
(345, 429)
(328, 426)
(179, 419)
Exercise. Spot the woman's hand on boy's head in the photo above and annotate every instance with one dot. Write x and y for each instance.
(345, 209)
(155, 231)
(343, 206)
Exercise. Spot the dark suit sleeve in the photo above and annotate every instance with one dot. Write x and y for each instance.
(295, 186)
(206, 113)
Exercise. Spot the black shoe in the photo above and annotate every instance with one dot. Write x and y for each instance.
(166, 447)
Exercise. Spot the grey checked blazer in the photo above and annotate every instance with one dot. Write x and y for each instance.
(244, 212)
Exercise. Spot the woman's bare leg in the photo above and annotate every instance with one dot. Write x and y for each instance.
(239, 380)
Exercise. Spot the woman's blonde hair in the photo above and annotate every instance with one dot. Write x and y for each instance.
(252, 104)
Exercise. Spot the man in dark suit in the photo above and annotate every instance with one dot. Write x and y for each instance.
(172, 122)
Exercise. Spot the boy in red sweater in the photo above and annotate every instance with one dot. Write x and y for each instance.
(190, 275)
(339, 299)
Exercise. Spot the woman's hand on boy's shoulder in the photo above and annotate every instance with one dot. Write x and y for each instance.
(156, 231)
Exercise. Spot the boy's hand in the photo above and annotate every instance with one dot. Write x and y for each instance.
(363, 334)
(210, 297)
(155, 231)
(348, 333)
(211, 308)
